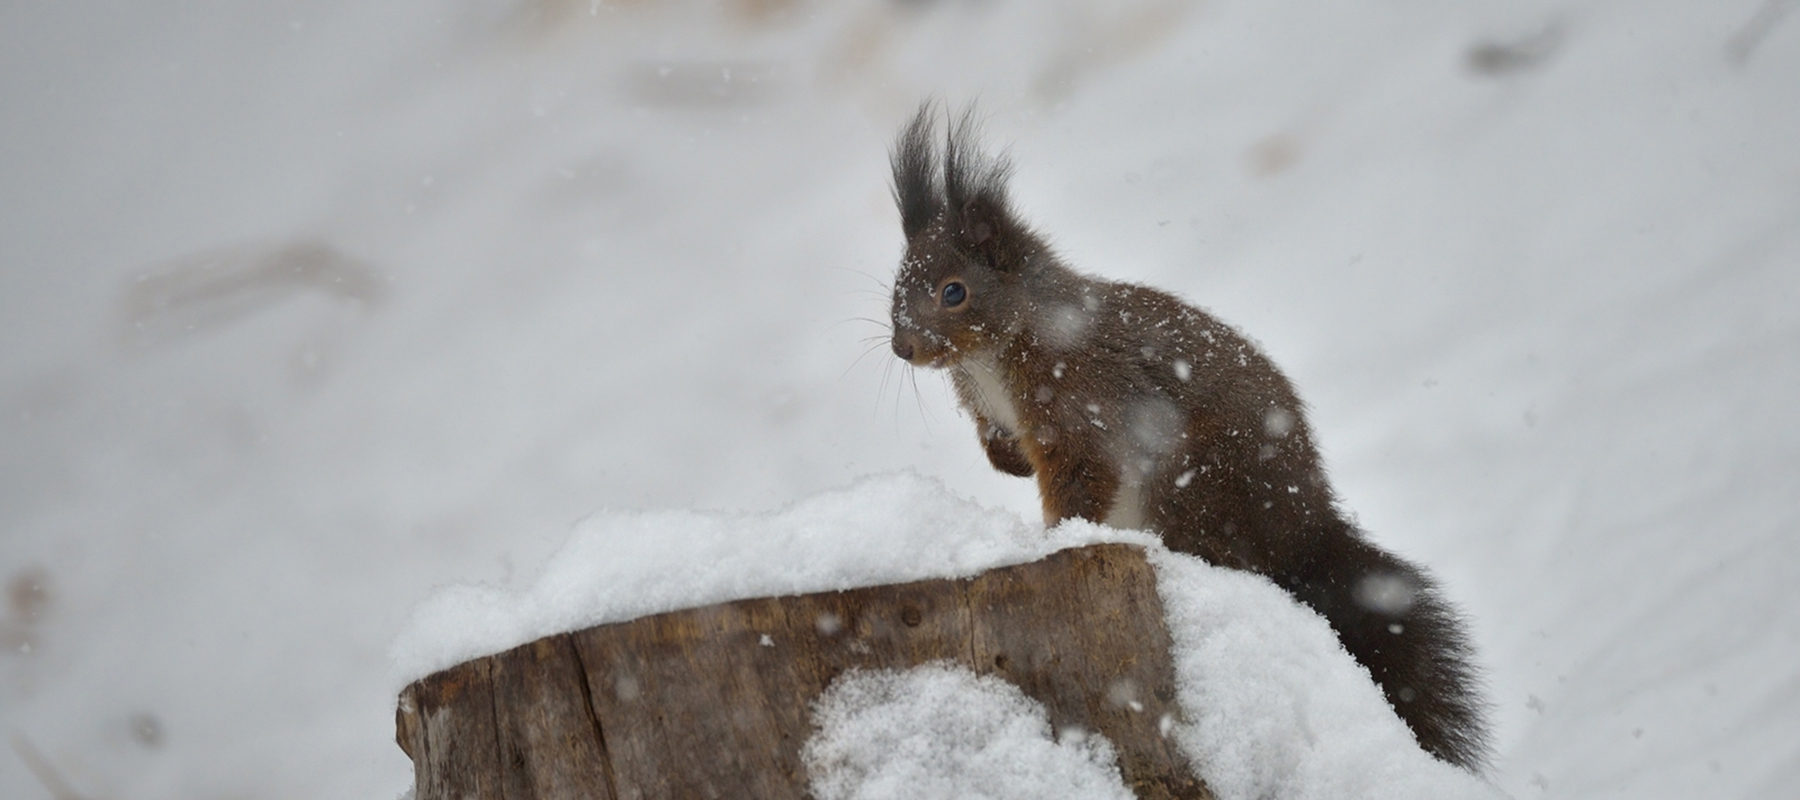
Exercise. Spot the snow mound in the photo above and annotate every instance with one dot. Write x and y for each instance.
(1273, 706)
(618, 566)
(941, 731)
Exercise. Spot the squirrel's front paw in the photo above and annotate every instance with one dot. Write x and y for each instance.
(1005, 455)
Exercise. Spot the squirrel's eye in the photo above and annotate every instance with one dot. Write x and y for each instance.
(954, 294)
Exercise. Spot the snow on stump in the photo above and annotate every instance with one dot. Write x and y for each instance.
(716, 701)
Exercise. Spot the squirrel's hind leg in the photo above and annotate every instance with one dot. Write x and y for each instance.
(1075, 482)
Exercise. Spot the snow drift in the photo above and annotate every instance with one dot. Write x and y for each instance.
(1273, 705)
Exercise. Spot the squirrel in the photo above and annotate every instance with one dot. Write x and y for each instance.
(1137, 410)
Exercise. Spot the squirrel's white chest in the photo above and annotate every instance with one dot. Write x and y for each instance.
(984, 388)
(987, 391)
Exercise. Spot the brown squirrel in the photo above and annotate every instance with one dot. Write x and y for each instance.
(1137, 410)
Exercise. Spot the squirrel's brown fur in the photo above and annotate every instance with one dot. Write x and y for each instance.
(1135, 409)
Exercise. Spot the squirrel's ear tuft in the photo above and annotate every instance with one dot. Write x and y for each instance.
(916, 188)
(975, 185)
(984, 230)
(978, 224)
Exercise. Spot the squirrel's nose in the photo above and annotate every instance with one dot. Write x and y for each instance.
(903, 349)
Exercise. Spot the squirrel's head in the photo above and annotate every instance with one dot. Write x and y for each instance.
(957, 290)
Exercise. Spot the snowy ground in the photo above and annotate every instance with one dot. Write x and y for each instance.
(307, 309)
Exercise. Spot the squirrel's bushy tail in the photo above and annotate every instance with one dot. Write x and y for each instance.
(1389, 616)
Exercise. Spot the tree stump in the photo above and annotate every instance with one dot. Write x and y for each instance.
(714, 701)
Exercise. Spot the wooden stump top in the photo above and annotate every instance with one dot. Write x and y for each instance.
(715, 701)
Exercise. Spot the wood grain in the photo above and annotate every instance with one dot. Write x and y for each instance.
(715, 702)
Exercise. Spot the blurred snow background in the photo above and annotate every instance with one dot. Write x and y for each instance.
(308, 308)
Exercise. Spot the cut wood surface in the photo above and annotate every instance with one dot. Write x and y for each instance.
(715, 701)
